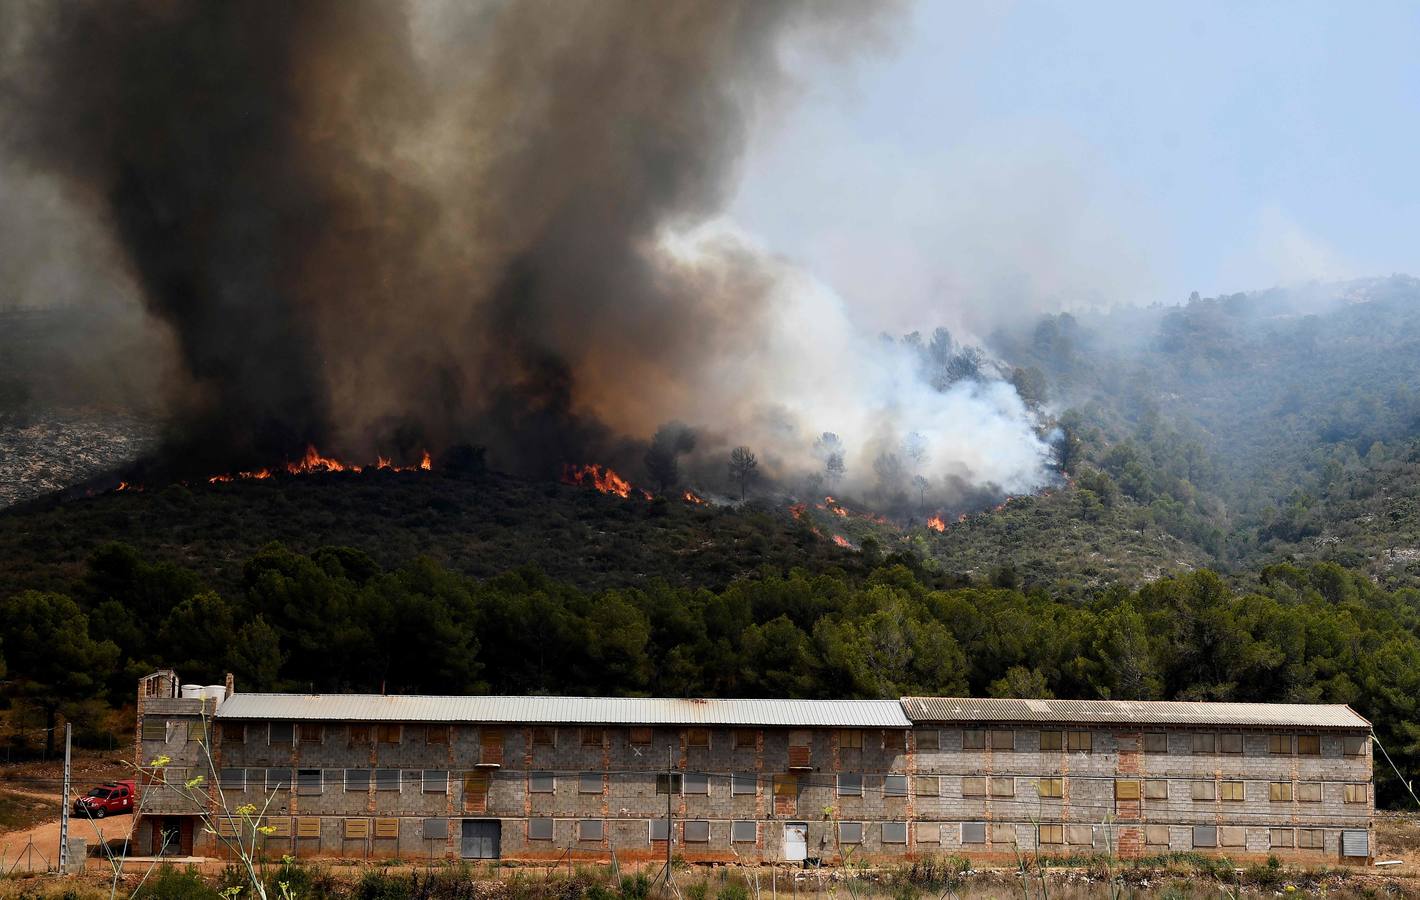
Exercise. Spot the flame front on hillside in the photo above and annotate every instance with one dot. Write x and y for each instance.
(313, 461)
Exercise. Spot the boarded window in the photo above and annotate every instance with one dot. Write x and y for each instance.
(1205, 743)
(309, 781)
(359, 734)
(850, 832)
(388, 734)
(197, 730)
(929, 833)
(786, 786)
(592, 737)
(1356, 793)
(973, 739)
(1204, 790)
(1355, 843)
(280, 826)
(412, 778)
(1156, 835)
(308, 827)
(697, 783)
(543, 736)
(439, 734)
(357, 829)
(850, 739)
(1354, 744)
(1156, 742)
(1310, 839)
(1007, 834)
(1279, 744)
(1232, 836)
(1051, 834)
(387, 828)
(746, 739)
(697, 737)
(278, 779)
(436, 829)
(894, 785)
(850, 785)
(1052, 740)
(973, 786)
(387, 779)
(236, 779)
(927, 785)
(357, 780)
(659, 829)
(927, 740)
(1233, 791)
(1127, 789)
(894, 832)
(744, 832)
(973, 832)
(1205, 836)
(640, 736)
(436, 781)
(742, 783)
(697, 831)
(590, 783)
(1230, 743)
(310, 733)
(1079, 741)
(894, 740)
(1309, 745)
(1280, 837)
(590, 829)
(1003, 787)
(668, 783)
(1080, 835)
(539, 829)
(232, 733)
(1001, 740)
(1052, 787)
(475, 788)
(1309, 792)
(1280, 792)
(1156, 789)
(542, 783)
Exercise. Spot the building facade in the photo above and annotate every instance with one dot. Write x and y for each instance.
(552, 778)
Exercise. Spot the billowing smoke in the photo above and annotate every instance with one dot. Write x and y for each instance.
(374, 227)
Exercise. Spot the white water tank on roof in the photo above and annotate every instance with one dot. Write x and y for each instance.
(217, 692)
(192, 692)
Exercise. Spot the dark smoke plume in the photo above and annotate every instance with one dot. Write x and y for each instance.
(373, 226)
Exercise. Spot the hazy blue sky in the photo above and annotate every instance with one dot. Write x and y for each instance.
(1032, 154)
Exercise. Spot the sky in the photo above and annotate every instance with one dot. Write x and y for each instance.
(997, 158)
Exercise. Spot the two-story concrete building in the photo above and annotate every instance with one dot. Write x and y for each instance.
(538, 778)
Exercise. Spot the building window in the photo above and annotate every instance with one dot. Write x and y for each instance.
(1126, 789)
(1156, 742)
(1234, 791)
(359, 734)
(197, 730)
(1003, 786)
(1205, 835)
(1052, 787)
(590, 783)
(387, 779)
(1001, 740)
(1354, 745)
(1310, 839)
(236, 733)
(1230, 743)
(1052, 740)
(850, 832)
(1156, 835)
(357, 829)
(1309, 792)
(850, 739)
(927, 740)
(439, 734)
(973, 786)
(281, 733)
(697, 831)
(1079, 741)
(236, 780)
(697, 783)
(1006, 834)
(309, 781)
(308, 827)
(592, 737)
(388, 734)
(973, 739)
(1232, 836)
(640, 736)
(357, 781)
(1280, 792)
(894, 832)
(1279, 744)
(786, 786)
(927, 785)
(539, 829)
(278, 779)
(742, 783)
(1355, 793)
(1205, 743)
(746, 739)
(547, 737)
(973, 832)
(436, 781)
(412, 778)
(436, 829)
(744, 832)
(1309, 745)
(669, 783)
(893, 739)
(929, 833)
(542, 783)
(697, 737)
(1204, 790)
(590, 829)
(1080, 835)
(1050, 834)
(1156, 789)
(386, 828)
(1280, 837)
(310, 733)
(894, 785)
(659, 829)
(850, 785)
(280, 826)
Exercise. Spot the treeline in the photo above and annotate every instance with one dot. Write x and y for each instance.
(334, 620)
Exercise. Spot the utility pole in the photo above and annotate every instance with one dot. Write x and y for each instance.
(64, 801)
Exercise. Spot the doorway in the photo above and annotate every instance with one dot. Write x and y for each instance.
(796, 841)
(482, 838)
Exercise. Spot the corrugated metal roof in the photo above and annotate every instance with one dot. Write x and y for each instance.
(1143, 712)
(565, 710)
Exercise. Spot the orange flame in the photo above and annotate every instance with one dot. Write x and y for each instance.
(797, 510)
(842, 541)
(936, 523)
(599, 477)
(691, 497)
(840, 511)
(313, 461)
(425, 463)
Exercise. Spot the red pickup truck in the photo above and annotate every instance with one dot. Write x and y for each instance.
(113, 797)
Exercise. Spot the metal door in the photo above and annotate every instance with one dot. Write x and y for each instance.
(481, 838)
(796, 841)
